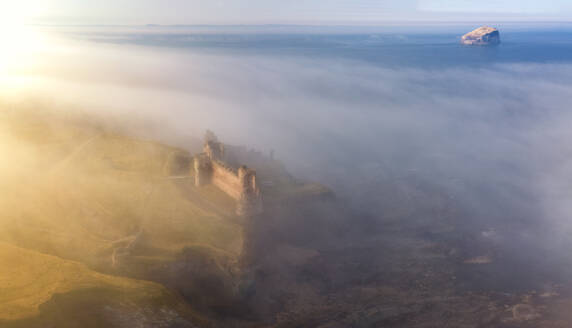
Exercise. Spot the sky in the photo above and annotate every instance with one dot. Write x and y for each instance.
(278, 11)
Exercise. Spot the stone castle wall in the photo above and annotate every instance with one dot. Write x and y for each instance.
(210, 167)
(226, 179)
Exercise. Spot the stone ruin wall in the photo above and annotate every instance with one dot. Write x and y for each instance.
(226, 179)
(240, 184)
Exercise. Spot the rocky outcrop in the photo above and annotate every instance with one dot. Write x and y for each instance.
(483, 36)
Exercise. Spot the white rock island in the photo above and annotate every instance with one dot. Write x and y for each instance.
(483, 36)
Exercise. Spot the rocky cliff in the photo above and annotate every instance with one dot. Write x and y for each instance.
(483, 36)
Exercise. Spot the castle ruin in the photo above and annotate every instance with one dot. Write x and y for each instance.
(213, 166)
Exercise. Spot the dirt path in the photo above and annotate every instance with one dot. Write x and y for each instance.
(123, 246)
(62, 164)
(120, 251)
(126, 244)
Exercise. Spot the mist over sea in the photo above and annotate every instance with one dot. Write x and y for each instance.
(424, 47)
(386, 117)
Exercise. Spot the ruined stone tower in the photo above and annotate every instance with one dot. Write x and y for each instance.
(202, 169)
(250, 201)
(212, 167)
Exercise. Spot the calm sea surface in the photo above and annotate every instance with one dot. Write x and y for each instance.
(426, 48)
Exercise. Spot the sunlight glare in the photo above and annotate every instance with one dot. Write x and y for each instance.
(19, 43)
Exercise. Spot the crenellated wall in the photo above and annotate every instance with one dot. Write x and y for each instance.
(227, 180)
(240, 184)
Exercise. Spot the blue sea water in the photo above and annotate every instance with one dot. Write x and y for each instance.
(428, 47)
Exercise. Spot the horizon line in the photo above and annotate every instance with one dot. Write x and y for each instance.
(394, 23)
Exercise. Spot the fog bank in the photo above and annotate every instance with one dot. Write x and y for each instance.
(494, 138)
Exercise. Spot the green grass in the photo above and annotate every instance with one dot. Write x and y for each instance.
(29, 279)
(73, 193)
(74, 190)
(76, 195)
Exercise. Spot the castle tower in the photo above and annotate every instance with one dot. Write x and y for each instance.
(202, 170)
(250, 201)
(214, 150)
(212, 167)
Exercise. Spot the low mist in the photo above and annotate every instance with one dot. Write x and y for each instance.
(498, 128)
(491, 137)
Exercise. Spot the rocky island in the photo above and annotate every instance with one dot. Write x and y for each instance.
(483, 36)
